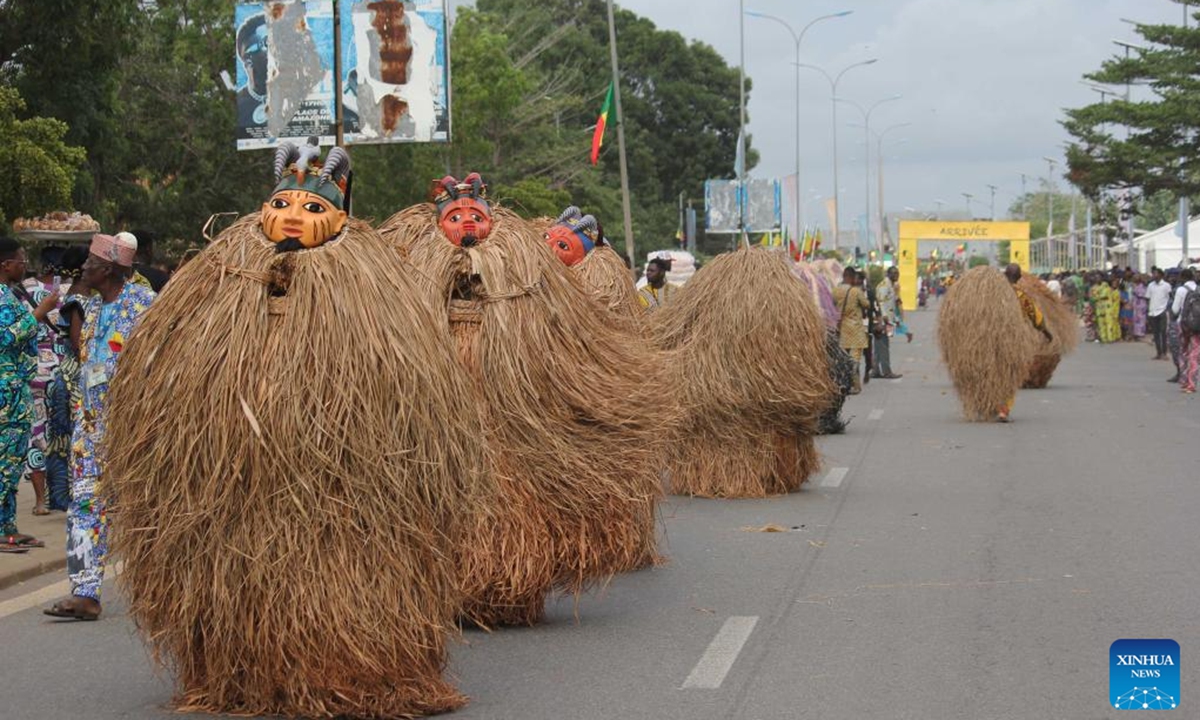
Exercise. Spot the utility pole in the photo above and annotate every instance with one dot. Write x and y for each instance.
(616, 81)
(742, 118)
(993, 189)
(1024, 197)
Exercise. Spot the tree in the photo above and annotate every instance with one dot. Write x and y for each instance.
(1150, 144)
(182, 164)
(39, 167)
(1036, 207)
(680, 104)
(64, 57)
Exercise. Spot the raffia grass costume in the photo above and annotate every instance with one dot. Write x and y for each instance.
(985, 341)
(1063, 325)
(752, 377)
(574, 435)
(293, 465)
(603, 272)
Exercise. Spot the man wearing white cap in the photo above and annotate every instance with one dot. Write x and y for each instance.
(109, 317)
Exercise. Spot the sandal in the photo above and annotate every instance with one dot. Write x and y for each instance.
(41, 509)
(71, 610)
(21, 540)
(13, 549)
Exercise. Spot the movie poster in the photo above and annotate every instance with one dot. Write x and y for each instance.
(395, 71)
(284, 72)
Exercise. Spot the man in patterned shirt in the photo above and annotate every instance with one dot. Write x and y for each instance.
(109, 318)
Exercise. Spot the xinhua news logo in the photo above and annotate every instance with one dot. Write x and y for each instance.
(1143, 674)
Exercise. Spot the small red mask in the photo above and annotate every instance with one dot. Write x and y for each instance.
(465, 218)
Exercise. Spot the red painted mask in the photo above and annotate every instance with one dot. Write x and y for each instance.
(571, 247)
(466, 218)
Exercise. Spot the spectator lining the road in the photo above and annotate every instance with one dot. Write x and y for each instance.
(657, 291)
(18, 365)
(110, 316)
(852, 302)
(887, 295)
(1158, 298)
(1189, 351)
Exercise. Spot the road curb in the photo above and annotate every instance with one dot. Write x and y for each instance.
(33, 571)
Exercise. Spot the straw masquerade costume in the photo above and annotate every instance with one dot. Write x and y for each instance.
(1062, 323)
(293, 465)
(579, 242)
(573, 435)
(986, 342)
(752, 377)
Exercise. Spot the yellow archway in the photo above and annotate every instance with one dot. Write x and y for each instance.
(912, 232)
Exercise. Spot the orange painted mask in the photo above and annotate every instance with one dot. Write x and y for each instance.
(308, 206)
(573, 236)
(302, 216)
(571, 247)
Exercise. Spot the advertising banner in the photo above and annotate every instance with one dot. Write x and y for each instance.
(394, 66)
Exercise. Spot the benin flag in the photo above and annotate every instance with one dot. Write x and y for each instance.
(601, 122)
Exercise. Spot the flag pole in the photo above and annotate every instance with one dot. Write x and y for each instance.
(742, 123)
(338, 110)
(616, 80)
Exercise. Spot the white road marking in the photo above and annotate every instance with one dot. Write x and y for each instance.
(722, 652)
(45, 595)
(876, 414)
(835, 477)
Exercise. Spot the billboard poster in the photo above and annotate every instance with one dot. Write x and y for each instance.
(395, 70)
(284, 71)
(761, 205)
(394, 66)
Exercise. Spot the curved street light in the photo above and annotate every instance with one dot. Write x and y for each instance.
(867, 150)
(798, 38)
(833, 83)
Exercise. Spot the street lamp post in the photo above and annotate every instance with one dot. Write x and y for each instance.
(1128, 47)
(797, 38)
(867, 151)
(970, 213)
(1050, 194)
(879, 175)
(833, 83)
(939, 204)
(1024, 199)
(993, 209)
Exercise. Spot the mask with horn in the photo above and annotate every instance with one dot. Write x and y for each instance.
(573, 236)
(308, 206)
(463, 210)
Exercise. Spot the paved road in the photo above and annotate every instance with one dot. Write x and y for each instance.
(945, 570)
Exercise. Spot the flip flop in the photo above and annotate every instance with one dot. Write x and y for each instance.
(71, 613)
(25, 541)
(13, 549)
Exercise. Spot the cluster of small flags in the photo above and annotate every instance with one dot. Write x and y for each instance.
(808, 246)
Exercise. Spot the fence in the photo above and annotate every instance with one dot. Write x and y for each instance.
(1068, 251)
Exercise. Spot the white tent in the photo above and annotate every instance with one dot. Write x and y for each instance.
(1163, 248)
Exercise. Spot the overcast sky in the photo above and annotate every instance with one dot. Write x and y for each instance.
(983, 84)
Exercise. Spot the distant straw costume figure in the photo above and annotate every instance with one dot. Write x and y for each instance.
(579, 242)
(293, 463)
(752, 377)
(1063, 325)
(574, 436)
(986, 342)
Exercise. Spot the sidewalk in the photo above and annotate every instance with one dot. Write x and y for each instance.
(50, 529)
